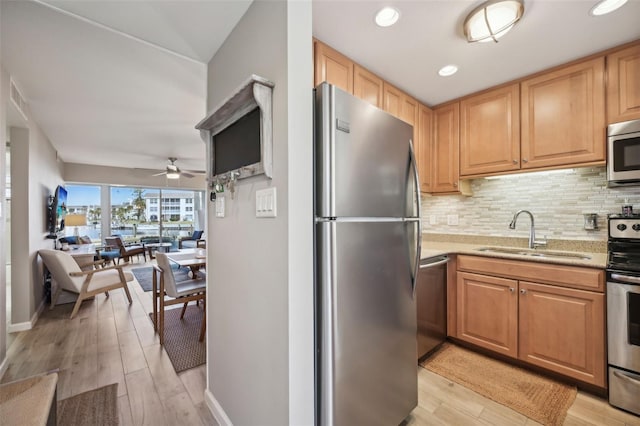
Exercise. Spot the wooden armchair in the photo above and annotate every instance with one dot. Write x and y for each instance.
(126, 252)
(69, 277)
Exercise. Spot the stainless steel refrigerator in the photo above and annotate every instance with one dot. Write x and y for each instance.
(367, 249)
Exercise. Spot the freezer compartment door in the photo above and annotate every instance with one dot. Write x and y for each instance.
(363, 162)
(366, 323)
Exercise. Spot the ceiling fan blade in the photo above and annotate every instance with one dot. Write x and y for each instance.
(160, 174)
(186, 174)
(196, 172)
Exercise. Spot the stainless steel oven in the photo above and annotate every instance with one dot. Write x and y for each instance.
(623, 149)
(623, 312)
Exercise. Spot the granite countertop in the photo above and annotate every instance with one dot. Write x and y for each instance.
(439, 244)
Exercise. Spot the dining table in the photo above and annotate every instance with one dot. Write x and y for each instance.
(194, 258)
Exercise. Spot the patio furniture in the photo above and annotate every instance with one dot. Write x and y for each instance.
(192, 241)
(126, 251)
(69, 277)
(165, 285)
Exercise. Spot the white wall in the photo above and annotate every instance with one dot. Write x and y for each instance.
(260, 305)
(35, 173)
(4, 90)
(91, 174)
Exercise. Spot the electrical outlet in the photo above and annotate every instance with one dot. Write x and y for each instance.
(452, 219)
(433, 219)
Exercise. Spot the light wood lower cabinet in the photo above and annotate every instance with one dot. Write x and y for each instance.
(488, 312)
(558, 328)
(562, 329)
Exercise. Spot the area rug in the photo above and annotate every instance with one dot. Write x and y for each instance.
(537, 397)
(145, 276)
(181, 337)
(98, 407)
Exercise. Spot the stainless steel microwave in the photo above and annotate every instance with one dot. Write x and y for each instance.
(623, 149)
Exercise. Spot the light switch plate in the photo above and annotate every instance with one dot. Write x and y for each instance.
(220, 206)
(266, 202)
(452, 219)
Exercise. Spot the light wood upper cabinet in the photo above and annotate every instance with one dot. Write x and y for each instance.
(333, 67)
(487, 312)
(409, 112)
(392, 100)
(623, 85)
(562, 329)
(562, 116)
(445, 149)
(490, 131)
(423, 148)
(367, 86)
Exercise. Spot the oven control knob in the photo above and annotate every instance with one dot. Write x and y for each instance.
(636, 227)
(621, 227)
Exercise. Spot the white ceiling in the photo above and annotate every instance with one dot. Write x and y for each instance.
(122, 83)
(429, 35)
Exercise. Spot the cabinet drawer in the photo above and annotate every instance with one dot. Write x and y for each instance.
(561, 275)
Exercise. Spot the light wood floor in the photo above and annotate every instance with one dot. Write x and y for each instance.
(110, 341)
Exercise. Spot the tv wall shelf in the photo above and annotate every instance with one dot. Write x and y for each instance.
(255, 92)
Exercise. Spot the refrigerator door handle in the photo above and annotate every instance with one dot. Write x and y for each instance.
(416, 186)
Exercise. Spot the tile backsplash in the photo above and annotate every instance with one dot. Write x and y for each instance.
(557, 199)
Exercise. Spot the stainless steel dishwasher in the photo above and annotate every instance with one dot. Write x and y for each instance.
(431, 297)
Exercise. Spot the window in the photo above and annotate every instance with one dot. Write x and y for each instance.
(85, 199)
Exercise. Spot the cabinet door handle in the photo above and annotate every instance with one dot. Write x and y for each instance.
(524, 160)
(523, 291)
(455, 184)
(515, 161)
(511, 289)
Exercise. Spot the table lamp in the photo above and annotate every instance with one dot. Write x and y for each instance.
(76, 220)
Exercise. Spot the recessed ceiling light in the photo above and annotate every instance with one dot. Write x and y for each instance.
(606, 6)
(448, 70)
(387, 16)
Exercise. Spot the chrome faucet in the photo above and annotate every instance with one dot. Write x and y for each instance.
(533, 243)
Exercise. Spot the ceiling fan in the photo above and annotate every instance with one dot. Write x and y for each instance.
(173, 172)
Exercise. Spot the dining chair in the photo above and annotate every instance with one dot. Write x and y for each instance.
(181, 292)
(69, 277)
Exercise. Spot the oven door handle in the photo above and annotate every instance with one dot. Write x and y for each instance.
(626, 278)
(625, 377)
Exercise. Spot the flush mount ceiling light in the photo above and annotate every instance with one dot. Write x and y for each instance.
(492, 19)
(387, 16)
(448, 70)
(606, 6)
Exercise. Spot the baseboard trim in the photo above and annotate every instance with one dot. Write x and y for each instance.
(216, 409)
(27, 325)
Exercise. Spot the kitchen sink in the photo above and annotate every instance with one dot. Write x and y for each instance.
(535, 253)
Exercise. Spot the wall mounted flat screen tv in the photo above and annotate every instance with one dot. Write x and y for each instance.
(58, 210)
(238, 145)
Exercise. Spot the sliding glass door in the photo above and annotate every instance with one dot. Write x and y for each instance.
(151, 215)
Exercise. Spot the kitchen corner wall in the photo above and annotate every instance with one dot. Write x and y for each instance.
(557, 199)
